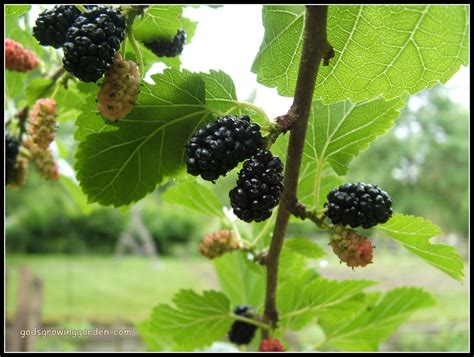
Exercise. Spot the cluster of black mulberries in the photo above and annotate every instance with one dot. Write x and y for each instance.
(258, 188)
(358, 204)
(165, 48)
(219, 147)
(12, 148)
(89, 39)
(242, 333)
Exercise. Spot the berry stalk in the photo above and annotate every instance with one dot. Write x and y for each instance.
(315, 48)
(135, 47)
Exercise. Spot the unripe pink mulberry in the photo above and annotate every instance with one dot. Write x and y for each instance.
(119, 91)
(43, 160)
(19, 59)
(218, 243)
(353, 249)
(42, 123)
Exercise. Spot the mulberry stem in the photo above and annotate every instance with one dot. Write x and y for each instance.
(136, 49)
(315, 48)
(260, 324)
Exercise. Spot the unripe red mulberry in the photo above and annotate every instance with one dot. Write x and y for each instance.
(353, 249)
(19, 59)
(20, 172)
(118, 93)
(42, 123)
(269, 345)
(218, 243)
(43, 160)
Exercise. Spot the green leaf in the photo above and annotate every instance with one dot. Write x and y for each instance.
(195, 196)
(15, 84)
(38, 88)
(338, 132)
(289, 298)
(310, 299)
(17, 10)
(220, 92)
(380, 50)
(159, 21)
(153, 341)
(415, 234)
(374, 323)
(291, 264)
(304, 247)
(240, 279)
(120, 163)
(196, 320)
(277, 61)
(90, 122)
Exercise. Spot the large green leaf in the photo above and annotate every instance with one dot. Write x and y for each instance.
(380, 50)
(375, 322)
(240, 279)
(119, 163)
(195, 321)
(415, 234)
(303, 301)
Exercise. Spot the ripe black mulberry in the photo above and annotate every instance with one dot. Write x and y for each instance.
(218, 147)
(358, 204)
(259, 187)
(165, 48)
(242, 333)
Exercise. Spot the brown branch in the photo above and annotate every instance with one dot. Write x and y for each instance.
(315, 48)
(300, 211)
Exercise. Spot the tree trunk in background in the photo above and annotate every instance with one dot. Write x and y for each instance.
(33, 320)
(16, 342)
(136, 227)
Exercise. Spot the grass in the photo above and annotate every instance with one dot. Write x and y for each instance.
(102, 290)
